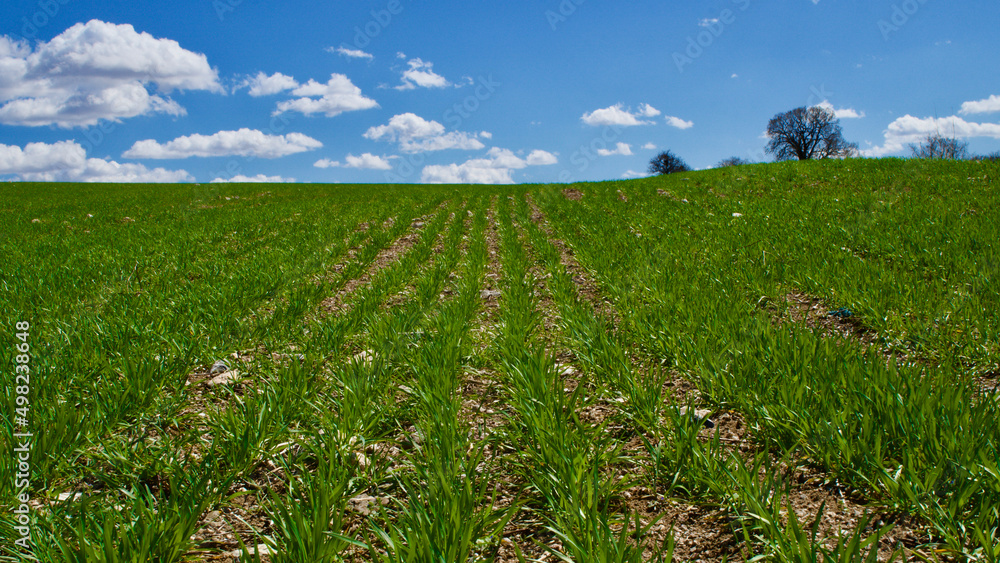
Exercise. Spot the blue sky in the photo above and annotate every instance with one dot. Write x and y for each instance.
(475, 91)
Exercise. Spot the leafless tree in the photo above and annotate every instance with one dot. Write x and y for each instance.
(808, 133)
(667, 163)
(939, 146)
(732, 161)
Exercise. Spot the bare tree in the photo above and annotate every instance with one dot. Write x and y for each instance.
(939, 146)
(667, 163)
(808, 133)
(732, 161)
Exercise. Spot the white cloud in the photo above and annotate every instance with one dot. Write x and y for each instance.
(352, 53)
(842, 113)
(678, 122)
(453, 140)
(541, 158)
(421, 74)
(66, 161)
(708, 22)
(633, 174)
(337, 96)
(908, 129)
(622, 149)
(367, 161)
(245, 142)
(989, 105)
(96, 71)
(258, 179)
(617, 115)
(264, 85)
(416, 134)
(41, 157)
(496, 168)
(405, 127)
(649, 147)
(734, 75)
(647, 110)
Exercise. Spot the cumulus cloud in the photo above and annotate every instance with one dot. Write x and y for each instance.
(623, 149)
(679, 123)
(258, 179)
(421, 74)
(245, 142)
(989, 105)
(405, 127)
(352, 53)
(618, 115)
(94, 71)
(264, 85)
(366, 161)
(66, 161)
(337, 96)
(416, 134)
(649, 147)
(633, 174)
(541, 158)
(326, 163)
(842, 113)
(496, 168)
(647, 110)
(908, 129)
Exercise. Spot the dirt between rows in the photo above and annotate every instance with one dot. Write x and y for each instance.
(586, 287)
(703, 532)
(388, 256)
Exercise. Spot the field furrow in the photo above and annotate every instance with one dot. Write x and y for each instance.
(759, 363)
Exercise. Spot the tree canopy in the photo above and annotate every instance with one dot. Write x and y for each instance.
(806, 134)
(667, 163)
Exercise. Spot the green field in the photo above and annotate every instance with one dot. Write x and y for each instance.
(787, 362)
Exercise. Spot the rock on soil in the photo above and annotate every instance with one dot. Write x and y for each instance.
(700, 415)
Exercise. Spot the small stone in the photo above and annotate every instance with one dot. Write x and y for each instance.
(365, 504)
(489, 294)
(700, 415)
(565, 370)
(261, 549)
(219, 367)
(214, 519)
(364, 357)
(224, 378)
(362, 460)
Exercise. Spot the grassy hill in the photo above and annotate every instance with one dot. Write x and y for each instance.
(793, 360)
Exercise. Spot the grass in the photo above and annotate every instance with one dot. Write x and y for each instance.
(390, 406)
